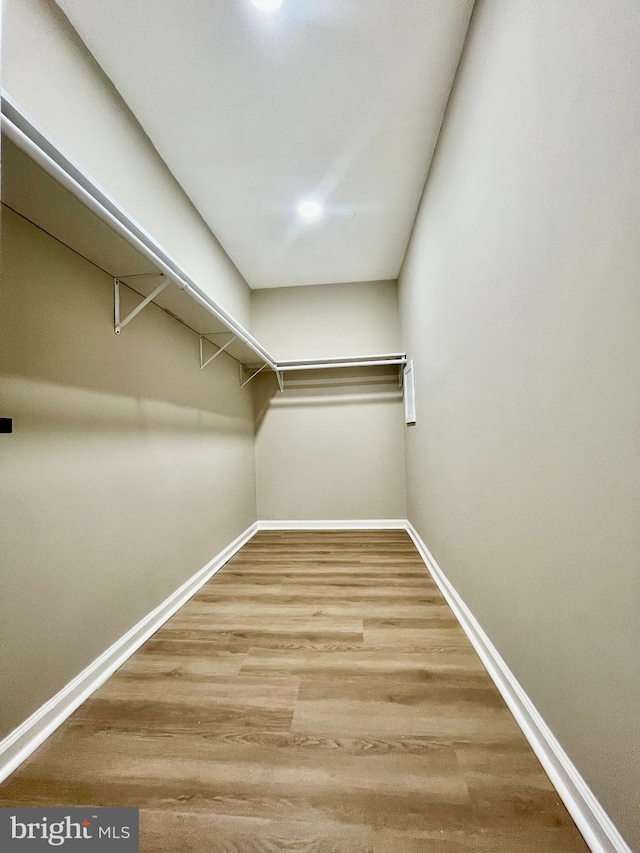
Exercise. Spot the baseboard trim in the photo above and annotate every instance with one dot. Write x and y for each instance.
(335, 524)
(27, 737)
(591, 819)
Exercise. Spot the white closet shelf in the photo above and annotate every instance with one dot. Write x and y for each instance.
(20, 128)
(108, 239)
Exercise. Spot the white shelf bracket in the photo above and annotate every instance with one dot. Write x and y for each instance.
(120, 324)
(280, 378)
(246, 381)
(203, 364)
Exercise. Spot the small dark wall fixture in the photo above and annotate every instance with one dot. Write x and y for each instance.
(6, 424)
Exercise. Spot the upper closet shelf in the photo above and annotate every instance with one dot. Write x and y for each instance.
(24, 133)
(113, 240)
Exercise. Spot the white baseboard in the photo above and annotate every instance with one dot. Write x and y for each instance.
(20, 743)
(591, 819)
(336, 524)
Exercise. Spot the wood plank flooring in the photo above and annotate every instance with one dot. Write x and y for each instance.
(316, 696)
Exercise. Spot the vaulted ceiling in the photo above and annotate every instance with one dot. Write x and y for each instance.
(333, 101)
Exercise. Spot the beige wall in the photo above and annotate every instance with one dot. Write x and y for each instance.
(127, 471)
(321, 320)
(331, 446)
(48, 70)
(330, 452)
(520, 300)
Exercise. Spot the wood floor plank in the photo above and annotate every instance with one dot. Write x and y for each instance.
(181, 662)
(414, 665)
(498, 841)
(429, 632)
(447, 709)
(184, 833)
(317, 695)
(169, 704)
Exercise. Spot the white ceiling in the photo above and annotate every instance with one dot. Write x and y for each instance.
(336, 100)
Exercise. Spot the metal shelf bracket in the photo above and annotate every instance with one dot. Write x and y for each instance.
(203, 364)
(255, 373)
(120, 324)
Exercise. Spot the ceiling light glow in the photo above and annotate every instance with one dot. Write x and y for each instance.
(267, 5)
(310, 211)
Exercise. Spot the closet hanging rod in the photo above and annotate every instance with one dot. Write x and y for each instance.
(326, 364)
(26, 135)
